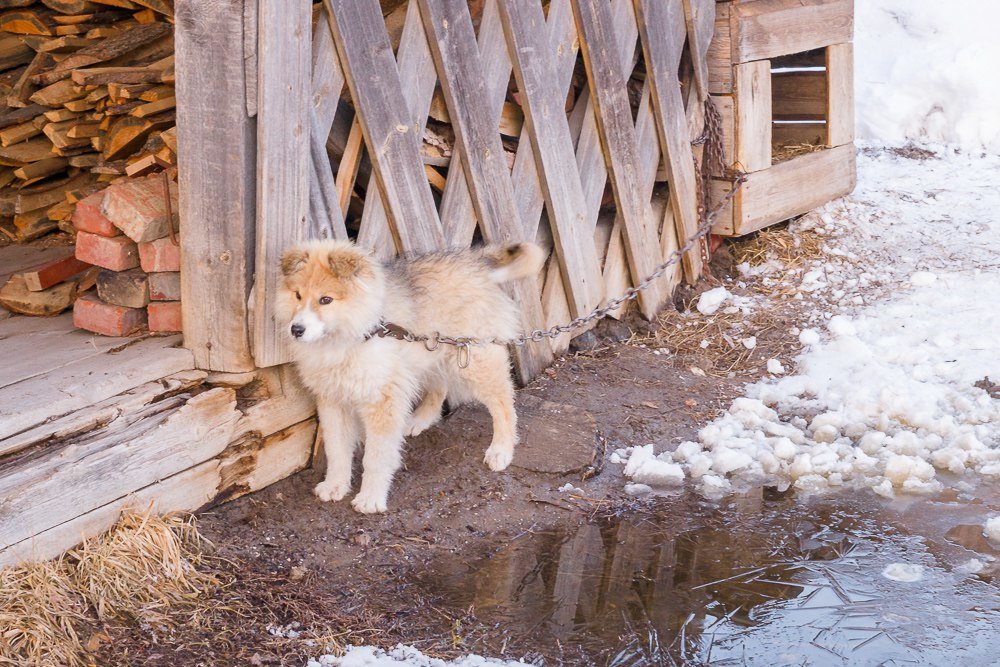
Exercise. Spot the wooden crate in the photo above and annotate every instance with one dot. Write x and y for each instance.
(781, 72)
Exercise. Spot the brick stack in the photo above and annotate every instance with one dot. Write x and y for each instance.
(126, 230)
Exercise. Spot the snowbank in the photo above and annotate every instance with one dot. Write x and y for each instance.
(924, 71)
(401, 656)
(884, 396)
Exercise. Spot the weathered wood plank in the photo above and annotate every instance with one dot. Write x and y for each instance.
(326, 217)
(216, 145)
(720, 52)
(798, 95)
(391, 132)
(102, 413)
(74, 386)
(700, 16)
(548, 130)
(798, 133)
(283, 155)
(768, 28)
(788, 189)
(662, 31)
(416, 67)
(840, 94)
(453, 43)
(752, 100)
(158, 441)
(618, 137)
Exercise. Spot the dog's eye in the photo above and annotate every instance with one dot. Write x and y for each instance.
(298, 296)
(325, 300)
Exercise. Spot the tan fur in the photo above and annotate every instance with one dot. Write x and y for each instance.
(383, 389)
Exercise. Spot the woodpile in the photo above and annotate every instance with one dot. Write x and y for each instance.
(86, 98)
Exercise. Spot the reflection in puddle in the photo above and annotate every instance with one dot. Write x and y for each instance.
(751, 583)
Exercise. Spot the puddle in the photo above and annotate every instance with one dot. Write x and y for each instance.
(756, 582)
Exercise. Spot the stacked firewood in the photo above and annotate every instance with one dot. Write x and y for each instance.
(86, 98)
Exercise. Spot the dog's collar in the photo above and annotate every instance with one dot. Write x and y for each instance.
(387, 330)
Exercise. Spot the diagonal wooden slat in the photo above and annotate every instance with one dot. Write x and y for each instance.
(392, 135)
(415, 67)
(618, 137)
(700, 17)
(662, 29)
(283, 135)
(547, 127)
(326, 219)
(453, 42)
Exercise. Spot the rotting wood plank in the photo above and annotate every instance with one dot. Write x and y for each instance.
(840, 94)
(415, 66)
(548, 130)
(752, 82)
(662, 47)
(766, 28)
(103, 412)
(217, 183)
(74, 386)
(453, 42)
(391, 132)
(618, 138)
(283, 154)
(151, 444)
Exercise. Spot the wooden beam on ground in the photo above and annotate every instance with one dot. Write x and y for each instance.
(283, 155)
(545, 121)
(216, 146)
(453, 42)
(662, 30)
(391, 131)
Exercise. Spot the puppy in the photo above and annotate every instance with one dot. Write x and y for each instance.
(334, 300)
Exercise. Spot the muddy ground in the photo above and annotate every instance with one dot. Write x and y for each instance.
(505, 564)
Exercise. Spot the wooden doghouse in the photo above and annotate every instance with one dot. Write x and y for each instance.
(781, 73)
(573, 124)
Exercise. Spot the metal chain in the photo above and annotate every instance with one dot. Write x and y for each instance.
(713, 156)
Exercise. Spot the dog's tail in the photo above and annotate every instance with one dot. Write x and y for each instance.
(519, 260)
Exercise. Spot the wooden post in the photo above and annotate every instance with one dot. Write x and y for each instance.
(753, 115)
(284, 125)
(215, 138)
(840, 95)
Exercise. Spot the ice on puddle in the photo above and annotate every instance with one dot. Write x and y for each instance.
(904, 572)
(638, 489)
(710, 301)
(775, 367)
(972, 566)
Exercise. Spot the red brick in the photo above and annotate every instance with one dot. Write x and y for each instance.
(165, 316)
(137, 207)
(165, 286)
(159, 256)
(117, 253)
(92, 314)
(87, 217)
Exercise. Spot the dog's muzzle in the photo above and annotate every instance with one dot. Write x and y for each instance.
(298, 330)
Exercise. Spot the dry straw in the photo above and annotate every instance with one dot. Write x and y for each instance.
(144, 567)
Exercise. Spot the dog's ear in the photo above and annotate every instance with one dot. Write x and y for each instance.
(293, 260)
(346, 264)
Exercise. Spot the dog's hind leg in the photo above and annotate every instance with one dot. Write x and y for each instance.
(384, 422)
(428, 412)
(339, 427)
(488, 379)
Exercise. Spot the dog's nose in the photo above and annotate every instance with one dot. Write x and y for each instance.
(298, 330)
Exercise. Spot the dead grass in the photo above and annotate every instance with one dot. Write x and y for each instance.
(143, 567)
(786, 151)
(793, 250)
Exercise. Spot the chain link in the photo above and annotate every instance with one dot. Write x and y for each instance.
(713, 159)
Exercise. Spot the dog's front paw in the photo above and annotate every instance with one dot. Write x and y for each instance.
(498, 458)
(369, 503)
(328, 490)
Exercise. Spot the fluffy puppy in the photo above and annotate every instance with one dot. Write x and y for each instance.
(334, 298)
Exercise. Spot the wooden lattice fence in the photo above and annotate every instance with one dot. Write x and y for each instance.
(543, 180)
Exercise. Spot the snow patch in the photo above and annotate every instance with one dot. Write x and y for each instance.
(904, 572)
(991, 529)
(709, 302)
(401, 656)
